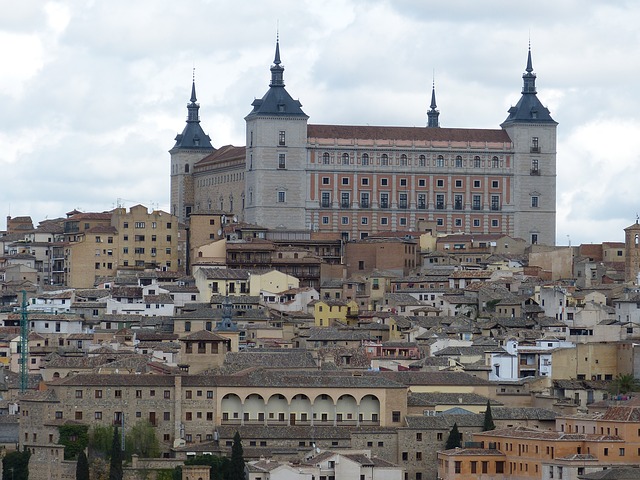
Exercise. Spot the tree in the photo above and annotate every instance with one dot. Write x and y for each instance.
(115, 466)
(488, 419)
(142, 441)
(455, 438)
(100, 441)
(625, 383)
(74, 438)
(82, 467)
(236, 467)
(15, 465)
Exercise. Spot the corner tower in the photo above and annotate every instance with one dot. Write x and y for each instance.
(191, 146)
(275, 182)
(533, 133)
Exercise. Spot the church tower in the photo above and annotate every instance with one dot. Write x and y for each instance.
(191, 146)
(533, 133)
(275, 182)
(632, 253)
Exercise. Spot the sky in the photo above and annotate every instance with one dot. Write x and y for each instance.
(93, 92)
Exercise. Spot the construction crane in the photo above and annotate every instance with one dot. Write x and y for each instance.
(24, 337)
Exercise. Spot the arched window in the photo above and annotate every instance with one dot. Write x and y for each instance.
(423, 160)
(476, 162)
(440, 161)
(459, 161)
(345, 159)
(325, 158)
(365, 159)
(495, 163)
(403, 160)
(384, 160)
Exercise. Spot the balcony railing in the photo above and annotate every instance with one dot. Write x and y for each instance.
(535, 171)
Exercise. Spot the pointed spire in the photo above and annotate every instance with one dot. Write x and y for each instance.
(276, 59)
(277, 77)
(529, 78)
(433, 114)
(193, 87)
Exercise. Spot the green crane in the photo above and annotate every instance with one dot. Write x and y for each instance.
(24, 336)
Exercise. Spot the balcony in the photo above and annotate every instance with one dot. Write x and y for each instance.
(384, 204)
(364, 204)
(422, 206)
(535, 171)
(440, 206)
(403, 205)
(325, 204)
(344, 204)
(535, 149)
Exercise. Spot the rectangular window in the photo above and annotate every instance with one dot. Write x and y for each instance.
(495, 223)
(440, 222)
(282, 162)
(345, 180)
(139, 224)
(534, 202)
(457, 202)
(364, 221)
(325, 220)
(345, 200)
(325, 180)
(403, 182)
(364, 200)
(384, 221)
(440, 183)
(345, 220)
(535, 146)
(98, 394)
(495, 184)
(495, 202)
(422, 201)
(402, 201)
(384, 200)
(97, 415)
(440, 201)
(395, 416)
(78, 393)
(282, 139)
(458, 183)
(384, 182)
(476, 222)
(477, 202)
(281, 197)
(422, 182)
(326, 199)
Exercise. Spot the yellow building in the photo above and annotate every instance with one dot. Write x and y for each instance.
(98, 244)
(326, 312)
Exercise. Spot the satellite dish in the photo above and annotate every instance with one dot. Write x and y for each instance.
(219, 231)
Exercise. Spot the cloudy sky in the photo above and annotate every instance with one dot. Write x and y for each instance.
(92, 93)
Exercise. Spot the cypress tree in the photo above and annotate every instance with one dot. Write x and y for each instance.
(82, 467)
(236, 467)
(455, 438)
(115, 465)
(488, 419)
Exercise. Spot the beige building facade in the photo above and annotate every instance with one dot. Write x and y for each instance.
(354, 181)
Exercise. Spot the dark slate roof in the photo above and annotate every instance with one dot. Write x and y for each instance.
(529, 108)
(277, 100)
(523, 413)
(193, 137)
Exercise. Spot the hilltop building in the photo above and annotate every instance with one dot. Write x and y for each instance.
(352, 181)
